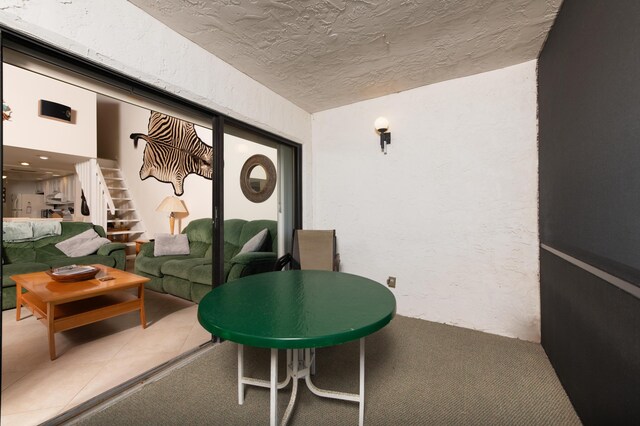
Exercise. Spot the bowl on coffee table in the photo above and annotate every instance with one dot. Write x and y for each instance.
(72, 273)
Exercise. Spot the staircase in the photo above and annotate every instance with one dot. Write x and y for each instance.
(104, 186)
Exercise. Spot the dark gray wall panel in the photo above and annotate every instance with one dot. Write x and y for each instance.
(591, 334)
(589, 117)
(589, 143)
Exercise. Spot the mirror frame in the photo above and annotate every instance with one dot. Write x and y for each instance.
(245, 182)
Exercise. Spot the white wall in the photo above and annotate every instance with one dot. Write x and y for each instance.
(451, 211)
(26, 129)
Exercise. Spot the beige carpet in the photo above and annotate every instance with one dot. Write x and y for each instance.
(417, 373)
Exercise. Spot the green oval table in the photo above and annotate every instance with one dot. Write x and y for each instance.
(298, 311)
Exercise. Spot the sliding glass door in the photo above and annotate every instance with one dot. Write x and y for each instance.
(259, 201)
(166, 166)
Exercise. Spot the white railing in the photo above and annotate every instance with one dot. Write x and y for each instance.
(104, 188)
(96, 192)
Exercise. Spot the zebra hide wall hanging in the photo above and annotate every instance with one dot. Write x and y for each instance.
(173, 151)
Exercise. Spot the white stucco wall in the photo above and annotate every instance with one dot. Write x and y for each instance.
(121, 36)
(451, 211)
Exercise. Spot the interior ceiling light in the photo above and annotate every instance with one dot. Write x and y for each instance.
(4, 176)
(56, 175)
(24, 163)
(43, 157)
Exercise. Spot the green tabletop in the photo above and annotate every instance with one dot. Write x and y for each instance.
(296, 309)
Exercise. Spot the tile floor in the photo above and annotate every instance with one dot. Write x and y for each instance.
(91, 359)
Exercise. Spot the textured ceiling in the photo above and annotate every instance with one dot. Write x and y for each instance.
(321, 54)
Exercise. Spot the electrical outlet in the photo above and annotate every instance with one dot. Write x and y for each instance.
(391, 282)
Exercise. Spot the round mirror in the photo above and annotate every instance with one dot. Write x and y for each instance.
(258, 178)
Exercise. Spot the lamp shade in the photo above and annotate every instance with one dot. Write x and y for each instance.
(381, 124)
(171, 205)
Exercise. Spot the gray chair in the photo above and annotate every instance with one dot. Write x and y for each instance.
(312, 250)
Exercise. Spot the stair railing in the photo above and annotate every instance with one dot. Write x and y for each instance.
(96, 191)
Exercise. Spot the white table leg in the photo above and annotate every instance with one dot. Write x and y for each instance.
(361, 417)
(274, 388)
(299, 366)
(240, 374)
(294, 389)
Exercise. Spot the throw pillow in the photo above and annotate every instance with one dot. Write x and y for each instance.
(167, 244)
(83, 244)
(255, 243)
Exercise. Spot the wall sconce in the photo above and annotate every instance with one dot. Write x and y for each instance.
(382, 126)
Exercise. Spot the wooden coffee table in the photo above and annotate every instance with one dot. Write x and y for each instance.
(63, 306)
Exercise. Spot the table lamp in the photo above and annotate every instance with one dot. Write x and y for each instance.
(171, 205)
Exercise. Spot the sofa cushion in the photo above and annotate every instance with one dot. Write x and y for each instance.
(200, 230)
(198, 291)
(20, 268)
(176, 286)
(152, 265)
(201, 274)
(83, 260)
(167, 244)
(180, 267)
(47, 253)
(198, 248)
(18, 252)
(232, 231)
(230, 251)
(154, 283)
(8, 298)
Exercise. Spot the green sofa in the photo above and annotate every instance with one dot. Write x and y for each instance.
(190, 276)
(39, 255)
